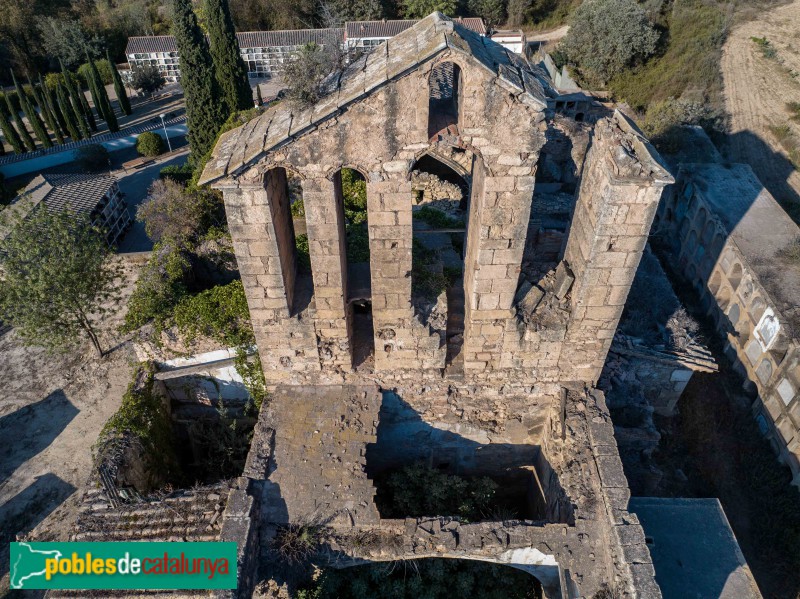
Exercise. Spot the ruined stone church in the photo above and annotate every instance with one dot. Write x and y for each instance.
(462, 341)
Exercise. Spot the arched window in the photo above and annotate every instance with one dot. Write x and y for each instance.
(444, 100)
(285, 194)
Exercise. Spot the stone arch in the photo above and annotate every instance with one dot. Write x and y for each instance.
(715, 283)
(445, 99)
(333, 171)
(700, 218)
(691, 243)
(716, 245)
(724, 298)
(735, 276)
(684, 230)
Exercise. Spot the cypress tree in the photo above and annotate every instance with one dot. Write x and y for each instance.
(70, 118)
(49, 119)
(229, 67)
(52, 105)
(204, 110)
(2, 153)
(100, 94)
(11, 135)
(23, 131)
(119, 89)
(88, 109)
(30, 112)
(258, 95)
(77, 106)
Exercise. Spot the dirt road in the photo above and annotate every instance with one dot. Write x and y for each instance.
(52, 408)
(756, 92)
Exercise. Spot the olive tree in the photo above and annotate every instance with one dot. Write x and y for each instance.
(58, 278)
(606, 36)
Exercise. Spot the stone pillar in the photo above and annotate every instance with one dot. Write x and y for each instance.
(326, 245)
(623, 178)
(285, 344)
(389, 213)
(498, 224)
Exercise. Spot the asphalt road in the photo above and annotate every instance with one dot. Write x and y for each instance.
(135, 186)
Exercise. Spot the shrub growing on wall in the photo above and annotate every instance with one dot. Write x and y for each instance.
(150, 144)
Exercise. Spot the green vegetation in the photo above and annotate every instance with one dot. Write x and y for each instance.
(32, 116)
(684, 73)
(425, 578)
(58, 279)
(794, 111)
(144, 415)
(303, 255)
(437, 219)
(229, 68)
(179, 173)
(607, 37)
(418, 490)
(150, 144)
(147, 79)
(100, 97)
(427, 281)
(205, 113)
(119, 87)
(10, 134)
(220, 446)
(20, 125)
(307, 70)
(92, 158)
(296, 543)
(75, 98)
(766, 47)
(40, 97)
(788, 140)
(104, 68)
(418, 9)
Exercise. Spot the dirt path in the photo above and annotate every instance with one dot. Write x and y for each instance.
(756, 92)
(52, 408)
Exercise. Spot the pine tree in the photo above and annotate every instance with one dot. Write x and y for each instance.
(258, 95)
(229, 67)
(204, 110)
(11, 135)
(100, 96)
(52, 102)
(70, 118)
(119, 89)
(23, 131)
(49, 119)
(75, 98)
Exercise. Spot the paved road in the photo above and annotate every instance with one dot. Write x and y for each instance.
(135, 186)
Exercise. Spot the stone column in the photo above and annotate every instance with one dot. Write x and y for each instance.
(285, 344)
(498, 223)
(623, 178)
(390, 235)
(326, 245)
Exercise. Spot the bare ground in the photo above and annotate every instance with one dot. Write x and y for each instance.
(52, 408)
(756, 92)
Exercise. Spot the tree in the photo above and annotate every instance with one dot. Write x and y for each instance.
(204, 110)
(100, 96)
(87, 110)
(518, 11)
(171, 213)
(607, 36)
(47, 112)
(258, 95)
(307, 71)
(492, 11)
(92, 158)
(75, 97)
(66, 39)
(11, 135)
(119, 88)
(30, 113)
(70, 118)
(59, 279)
(229, 67)
(150, 144)
(419, 9)
(147, 79)
(52, 104)
(21, 128)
